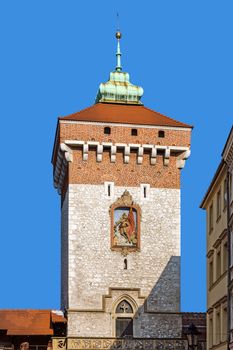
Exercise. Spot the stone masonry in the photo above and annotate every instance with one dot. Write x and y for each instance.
(93, 271)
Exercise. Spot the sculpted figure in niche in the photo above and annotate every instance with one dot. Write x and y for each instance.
(125, 228)
(125, 224)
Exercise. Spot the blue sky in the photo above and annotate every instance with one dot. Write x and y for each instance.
(54, 54)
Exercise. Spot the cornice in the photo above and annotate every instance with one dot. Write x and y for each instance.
(182, 153)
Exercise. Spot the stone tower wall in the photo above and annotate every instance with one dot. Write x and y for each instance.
(94, 269)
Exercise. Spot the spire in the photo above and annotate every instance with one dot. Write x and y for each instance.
(118, 54)
(118, 88)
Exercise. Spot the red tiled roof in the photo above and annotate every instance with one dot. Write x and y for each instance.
(28, 322)
(125, 114)
(57, 316)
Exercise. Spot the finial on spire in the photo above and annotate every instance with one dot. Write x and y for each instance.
(118, 54)
(118, 88)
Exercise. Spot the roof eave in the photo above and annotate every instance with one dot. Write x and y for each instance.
(228, 143)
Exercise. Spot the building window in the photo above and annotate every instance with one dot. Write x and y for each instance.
(225, 257)
(211, 273)
(125, 264)
(211, 218)
(109, 189)
(107, 130)
(124, 324)
(218, 208)
(224, 323)
(134, 132)
(225, 194)
(230, 187)
(161, 133)
(218, 264)
(210, 331)
(145, 188)
(231, 320)
(124, 327)
(217, 328)
(144, 192)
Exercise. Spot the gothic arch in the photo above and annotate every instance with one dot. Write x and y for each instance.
(124, 307)
(128, 299)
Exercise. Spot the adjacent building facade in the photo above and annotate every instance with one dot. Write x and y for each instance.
(218, 205)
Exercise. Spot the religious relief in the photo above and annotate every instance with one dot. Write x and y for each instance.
(125, 224)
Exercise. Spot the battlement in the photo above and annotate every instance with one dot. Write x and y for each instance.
(118, 152)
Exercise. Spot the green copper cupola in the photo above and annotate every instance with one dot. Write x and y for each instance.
(118, 88)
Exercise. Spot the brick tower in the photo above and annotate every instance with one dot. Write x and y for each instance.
(117, 168)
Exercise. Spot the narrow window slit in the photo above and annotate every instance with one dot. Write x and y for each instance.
(144, 192)
(125, 264)
(109, 190)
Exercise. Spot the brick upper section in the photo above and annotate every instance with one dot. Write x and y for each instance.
(122, 134)
(132, 174)
(126, 114)
(88, 126)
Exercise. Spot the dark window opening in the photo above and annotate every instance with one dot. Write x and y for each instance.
(144, 191)
(124, 327)
(125, 264)
(211, 218)
(134, 132)
(107, 130)
(161, 133)
(109, 190)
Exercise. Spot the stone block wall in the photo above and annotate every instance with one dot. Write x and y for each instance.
(97, 280)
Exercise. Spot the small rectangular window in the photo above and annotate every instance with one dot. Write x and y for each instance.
(210, 331)
(134, 132)
(144, 191)
(225, 194)
(211, 218)
(230, 186)
(124, 327)
(161, 133)
(218, 329)
(225, 257)
(224, 323)
(218, 264)
(145, 188)
(107, 130)
(210, 273)
(218, 207)
(109, 189)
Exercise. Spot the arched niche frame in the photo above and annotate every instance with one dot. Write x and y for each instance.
(125, 224)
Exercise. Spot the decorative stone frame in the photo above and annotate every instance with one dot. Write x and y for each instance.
(125, 201)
